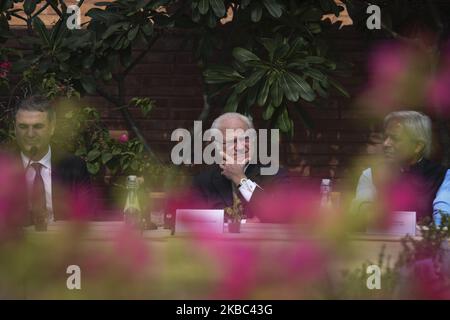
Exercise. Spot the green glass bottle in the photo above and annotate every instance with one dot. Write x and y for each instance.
(132, 211)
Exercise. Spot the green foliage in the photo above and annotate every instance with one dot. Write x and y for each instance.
(145, 104)
(414, 249)
(271, 52)
(273, 73)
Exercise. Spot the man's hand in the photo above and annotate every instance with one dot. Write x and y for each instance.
(233, 171)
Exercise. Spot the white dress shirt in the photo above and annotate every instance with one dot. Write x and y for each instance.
(248, 187)
(46, 173)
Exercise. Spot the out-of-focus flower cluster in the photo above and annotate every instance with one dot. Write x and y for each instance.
(406, 76)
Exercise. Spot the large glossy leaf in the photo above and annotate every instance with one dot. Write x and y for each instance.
(256, 13)
(275, 9)
(268, 113)
(93, 154)
(264, 93)
(29, 6)
(276, 93)
(114, 28)
(218, 7)
(315, 74)
(42, 31)
(232, 103)
(243, 55)
(305, 90)
(252, 95)
(203, 6)
(254, 77)
(339, 88)
(289, 89)
(88, 84)
(283, 121)
(133, 33)
(221, 74)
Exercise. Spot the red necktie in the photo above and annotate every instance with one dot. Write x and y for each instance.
(38, 202)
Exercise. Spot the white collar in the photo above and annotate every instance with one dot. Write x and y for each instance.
(45, 161)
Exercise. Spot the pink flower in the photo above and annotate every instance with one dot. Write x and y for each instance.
(5, 67)
(123, 138)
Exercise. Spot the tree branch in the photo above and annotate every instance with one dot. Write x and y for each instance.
(18, 16)
(141, 55)
(107, 96)
(40, 10)
(55, 8)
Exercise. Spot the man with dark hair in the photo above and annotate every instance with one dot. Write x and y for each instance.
(47, 170)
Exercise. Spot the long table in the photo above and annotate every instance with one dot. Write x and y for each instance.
(354, 250)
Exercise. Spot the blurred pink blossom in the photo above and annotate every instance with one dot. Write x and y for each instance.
(293, 203)
(131, 251)
(5, 67)
(123, 138)
(387, 62)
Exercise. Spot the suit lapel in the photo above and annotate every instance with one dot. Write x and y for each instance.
(223, 187)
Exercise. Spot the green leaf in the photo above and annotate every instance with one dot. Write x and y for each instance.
(114, 28)
(264, 93)
(218, 7)
(221, 74)
(276, 93)
(244, 55)
(288, 87)
(314, 74)
(93, 155)
(147, 29)
(88, 84)
(254, 78)
(203, 6)
(318, 88)
(275, 9)
(93, 168)
(29, 6)
(283, 121)
(232, 103)
(256, 13)
(305, 90)
(106, 157)
(268, 113)
(88, 61)
(315, 59)
(252, 95)
(42, 31)
(339, 88)
(133, 33)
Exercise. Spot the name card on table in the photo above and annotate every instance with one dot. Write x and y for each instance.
(196, 220)
(402, 223)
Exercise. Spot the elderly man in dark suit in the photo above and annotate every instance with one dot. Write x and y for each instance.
(221, 185)
(47, 170)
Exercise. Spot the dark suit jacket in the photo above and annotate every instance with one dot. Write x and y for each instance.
(215, 190)
(69, 174)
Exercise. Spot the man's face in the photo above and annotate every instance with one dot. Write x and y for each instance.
(235, 144)
(33, 129)
(398, 146)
